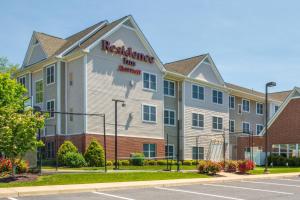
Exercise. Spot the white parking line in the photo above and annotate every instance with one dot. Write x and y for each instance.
(111, 195)
(246, 188)
(270, 183)
(286, 179)
(11, 198)
(199, 193)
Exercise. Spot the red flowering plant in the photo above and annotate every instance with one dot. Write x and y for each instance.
(5, 165)
(245, 166)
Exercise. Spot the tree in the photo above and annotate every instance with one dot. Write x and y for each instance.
(94, 155)
(6, 67)
(18, 127)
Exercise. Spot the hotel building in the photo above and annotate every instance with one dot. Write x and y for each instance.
(113, 60)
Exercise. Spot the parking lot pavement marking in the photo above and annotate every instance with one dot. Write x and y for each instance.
(111, 195)
(270, 183)
(287, 179)
(198, 193)
(246, 188)
(11, 198)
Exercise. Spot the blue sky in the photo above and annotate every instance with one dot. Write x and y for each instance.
(251, 42)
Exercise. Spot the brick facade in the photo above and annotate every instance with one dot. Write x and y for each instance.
(126, 145)
(284, 130)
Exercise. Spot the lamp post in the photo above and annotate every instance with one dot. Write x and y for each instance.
(269, 84)
(116, 129)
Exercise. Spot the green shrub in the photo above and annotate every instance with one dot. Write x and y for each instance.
(66, 147)
(125, 162)
(22, 167)
(109, 163)
(152, 162)
(282, 161)
(187, 162)
(72, 159)
(163, 162)
(195, 162)
(209, 167)
(231, 166)
(137, 159)
(292, 162)
(94, 155)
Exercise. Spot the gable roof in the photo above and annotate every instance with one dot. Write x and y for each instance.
(49, 43)
(280, 96)
(245, 90)
(185, 66)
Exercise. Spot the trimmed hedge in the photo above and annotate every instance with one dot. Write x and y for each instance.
(276, 160)
(94, 155)
(66, 147)
(73, 160)
(137, 159)
(209, 167)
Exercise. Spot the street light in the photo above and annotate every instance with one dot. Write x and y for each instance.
(116, 129)
(269, 84)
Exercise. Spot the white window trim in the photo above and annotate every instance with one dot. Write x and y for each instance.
(53, 65)
(198, 127)
(167, 109)
(35, 91)
(233, 103)
(164, 88)
(243, 106)
(232, 120)
(147, 121)
(212, 97)
(256, 128)
(47, 108)
(262, 108)
(149, 150)
(202, 100)
(149, 89)
(212, 123)
(244, 122)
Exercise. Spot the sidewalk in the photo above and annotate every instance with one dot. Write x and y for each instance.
(58, 189)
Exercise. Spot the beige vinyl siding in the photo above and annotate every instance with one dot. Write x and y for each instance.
(105, 82)
(37, 54)
(212, 147)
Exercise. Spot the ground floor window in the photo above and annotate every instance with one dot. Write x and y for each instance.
(50, 151)
(286, 150)
(149, 150)
(198, 153)
(169, 151)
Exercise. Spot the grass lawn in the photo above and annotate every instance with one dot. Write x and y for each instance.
(157, 167)
(276, 170)
(64, 179)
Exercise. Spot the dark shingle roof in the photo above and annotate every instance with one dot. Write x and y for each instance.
(184, 66)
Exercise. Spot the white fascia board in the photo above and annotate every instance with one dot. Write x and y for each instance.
(82, 39)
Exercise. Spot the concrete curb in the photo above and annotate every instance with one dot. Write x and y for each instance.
(76, 188)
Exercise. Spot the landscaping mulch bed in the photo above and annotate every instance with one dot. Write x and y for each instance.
(19, 178)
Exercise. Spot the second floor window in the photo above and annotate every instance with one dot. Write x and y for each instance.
(259, 108)
(231, 102)
(246, 127)
(149, 81)
(22, 81)
(246, 105)
(197, 92)
(217, 97)
(197, 120)
(39, 91)
(169, 88)
(51, 107)
(149, 113)
(231, 126)
(50, 74)
(169, 117)
(217, 123)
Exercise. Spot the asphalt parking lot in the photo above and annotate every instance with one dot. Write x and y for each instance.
(260, 189)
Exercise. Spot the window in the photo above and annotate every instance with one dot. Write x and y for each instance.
(239, 109)
(217, 97)
(39, 91)
(169, 152)
(149, 150)
(259, 108)
(231, 102)
(231, 126)
(246, 105)
(292, 151)
(149, 81)
(197, 120)
(71, 115)
(149, 113)
(246, 127)
(283, 150)
(50, 107)
(50, 74)
(259, 128)
(217, 123)
(197, 92)
(169, 88)
(169, 117)
(275, 149)
(71, 78)
(22, 81)
(276, 108)
(198, 153)
(50, 150)
(286, 150)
